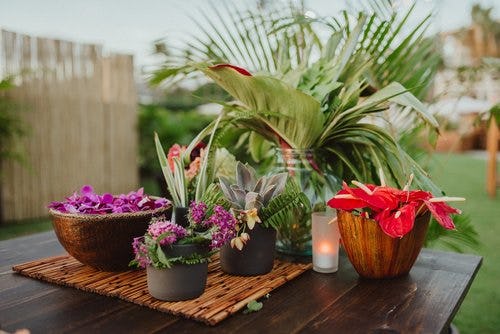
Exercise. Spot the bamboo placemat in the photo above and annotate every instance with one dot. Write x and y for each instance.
(223, 296)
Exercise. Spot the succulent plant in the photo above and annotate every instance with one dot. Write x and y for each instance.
(269, 200)
(249, 192)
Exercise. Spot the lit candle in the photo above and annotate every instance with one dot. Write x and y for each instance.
(325, 239)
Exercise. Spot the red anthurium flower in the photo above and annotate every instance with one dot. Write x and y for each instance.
(395, 210)
(236, 68)
(397, 223)
(385, 198)
(441, 212)
(414, 195)
(345, 201)
(377, 198)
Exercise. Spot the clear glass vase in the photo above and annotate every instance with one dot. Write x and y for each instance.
(317, 183)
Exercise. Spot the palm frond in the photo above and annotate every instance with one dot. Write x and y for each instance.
(463, 236)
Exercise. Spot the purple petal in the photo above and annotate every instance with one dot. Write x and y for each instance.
(107, 198)
(87, 189)
(89, 202)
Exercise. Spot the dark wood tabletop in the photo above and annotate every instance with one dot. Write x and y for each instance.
(425, 301)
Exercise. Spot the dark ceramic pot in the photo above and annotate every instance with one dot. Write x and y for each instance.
(185, 250)
(180, 216)
(256, 257)
(181, 281)
(373, 253)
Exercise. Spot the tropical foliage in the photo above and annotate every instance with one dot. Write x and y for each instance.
(174, 170)
(172, 127)
(340, 96)
(282, 43)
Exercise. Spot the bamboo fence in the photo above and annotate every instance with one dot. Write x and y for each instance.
(79, 108)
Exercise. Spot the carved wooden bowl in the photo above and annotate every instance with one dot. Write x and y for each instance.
(373, 253)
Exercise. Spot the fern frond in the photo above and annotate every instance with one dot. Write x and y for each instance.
(276, 213)
(213, 196)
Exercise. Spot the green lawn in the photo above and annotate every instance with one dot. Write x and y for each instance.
(458, 175)
(461, 175)
(16, 229)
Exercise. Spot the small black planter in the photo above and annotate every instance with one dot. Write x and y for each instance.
(180, 216)
(181, 281)
(185, 250)
(256, 257)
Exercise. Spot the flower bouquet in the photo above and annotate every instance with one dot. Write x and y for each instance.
(97, 229)
(176, 257)
(312, 127)
(383, 228)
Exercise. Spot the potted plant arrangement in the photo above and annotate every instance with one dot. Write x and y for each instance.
(188, 171)
(311, 133)
(185, 174)
(176, 257)
(259, 206)
(383, 228)
(326, 105)
(97, 229)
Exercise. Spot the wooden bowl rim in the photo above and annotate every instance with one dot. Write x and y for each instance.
(105, 216)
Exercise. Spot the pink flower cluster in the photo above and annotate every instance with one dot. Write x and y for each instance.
(88, 202)
(167, 232)
(170, 232)
(141, 251)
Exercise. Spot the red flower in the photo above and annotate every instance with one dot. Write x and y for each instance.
(345, 201)
(395, 210)
(441, 212)
(376, 198)
(414, 195)
(397, 223)
(236, 68)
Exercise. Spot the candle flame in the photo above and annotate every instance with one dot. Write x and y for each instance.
(325, 247)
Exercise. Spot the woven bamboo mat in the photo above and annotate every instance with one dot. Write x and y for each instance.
(223, 296)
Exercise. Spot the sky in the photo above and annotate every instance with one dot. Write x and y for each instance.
(131, 26)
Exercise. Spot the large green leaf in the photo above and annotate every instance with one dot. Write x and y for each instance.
(294, 116)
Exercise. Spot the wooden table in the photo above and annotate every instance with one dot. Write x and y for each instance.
(423, 302)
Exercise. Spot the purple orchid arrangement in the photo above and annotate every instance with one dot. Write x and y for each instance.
(208, 227)
(88, 202)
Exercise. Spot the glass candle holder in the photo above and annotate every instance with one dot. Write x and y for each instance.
(325, 242)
